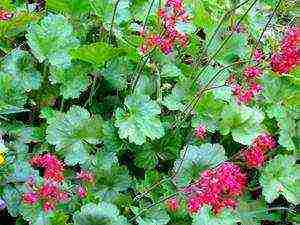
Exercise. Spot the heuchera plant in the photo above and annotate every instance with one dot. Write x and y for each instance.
(159, 112)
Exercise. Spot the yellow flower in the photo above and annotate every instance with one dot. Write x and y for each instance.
(2, 159)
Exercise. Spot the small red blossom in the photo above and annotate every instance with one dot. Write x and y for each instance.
(252, 72)
(254, 157)
(48, 207)
(4, 15)
(288, 57)
(200, 132)
(216, 187)
(172, 13)
(85, 176)
(172, 204)
(53, 167)
(81, 192)
(265, 142)
(30, 198)
(257, 55)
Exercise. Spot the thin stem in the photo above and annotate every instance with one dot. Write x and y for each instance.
(152, 205)
(112, 21)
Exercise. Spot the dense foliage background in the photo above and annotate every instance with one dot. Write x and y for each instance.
(149, 112)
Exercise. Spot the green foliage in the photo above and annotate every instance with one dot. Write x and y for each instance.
(281, 176)
(101, 214)
(75, 84)
(73, 80)
(194, 159)
(73, 133)
(96, 53)
(206, 217)
(154, 216)
(52, 39)
(19, 66)
(140, 120)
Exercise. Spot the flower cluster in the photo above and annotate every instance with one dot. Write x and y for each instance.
(49, 193)
(245, 95)
(53, 167)
(216, 187)
(255, 155)
(200, 132)
(4, 15)
(257, 55)
(87, 177)
(288, 57)
(172, 204)
(172, 13)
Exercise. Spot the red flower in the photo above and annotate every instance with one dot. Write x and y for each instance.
(217, 188)
(4, 15)
(81, 192)
(257, 55)
(30, 198)
(170, 15)
(200, 132)
(53, 167)
(172, 204)
(254, 157)
(48, 206)
(288, 57)
(85, 176)
(252, 72)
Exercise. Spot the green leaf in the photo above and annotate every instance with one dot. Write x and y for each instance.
(146, 158)
(286, 119)
(281, 176)
(73, 133)
(75, 7)
(234, 47)
(73, 80)
(96, 53)
(24, 76)
(11, 98)
(52, 39)
(12, 197)
(140, 120)
(170, 70)
(102, 214)
(173, 101)
(243, 122)
(105, 9)
(206, 217)
(117, 71)
(111, 182)
(154, 216)
(17, 24)
(251, 212)
(194, 159)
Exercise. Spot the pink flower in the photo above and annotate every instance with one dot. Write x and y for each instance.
(30, 198)
(85, 176)
(172, 204)
(257, 55)
(53, 167)
(200, 132)
(254, 157)
(48, 206)
(216, 187)
(252, 72)
(4, 15)
(255, 88)
(265, 142)
(81, 192)
(288, 57)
